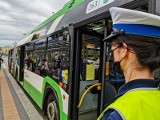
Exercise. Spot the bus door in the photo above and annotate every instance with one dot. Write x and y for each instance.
(10, 60)
(87, 74)
(92, 90)
(13, 60)
(21, 64)
(11, 64)
(17, 64)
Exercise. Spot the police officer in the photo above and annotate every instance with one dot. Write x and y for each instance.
(135, 44)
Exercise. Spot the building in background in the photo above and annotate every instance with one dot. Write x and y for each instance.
(4, 50)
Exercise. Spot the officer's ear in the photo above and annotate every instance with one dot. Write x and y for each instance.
(125, 50)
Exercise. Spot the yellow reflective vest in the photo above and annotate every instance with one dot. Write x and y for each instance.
(137, 104)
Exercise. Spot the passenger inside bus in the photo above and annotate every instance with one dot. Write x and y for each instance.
(34, 63)
(51, 67)
(45, 68)
(29, 63)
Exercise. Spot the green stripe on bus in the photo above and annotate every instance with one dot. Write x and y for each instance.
(37, 96)
(34, 93)
(55, 86)
(66, 8)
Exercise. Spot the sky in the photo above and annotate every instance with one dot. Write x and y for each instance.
(18, 17)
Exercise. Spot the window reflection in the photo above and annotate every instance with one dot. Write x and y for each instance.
(50, 59)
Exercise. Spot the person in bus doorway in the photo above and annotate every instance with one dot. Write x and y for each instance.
(135, 44)
(1, 61)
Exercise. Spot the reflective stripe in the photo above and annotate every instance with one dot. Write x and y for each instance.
(143, 89)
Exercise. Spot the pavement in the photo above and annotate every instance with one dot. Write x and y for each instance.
(15, 103)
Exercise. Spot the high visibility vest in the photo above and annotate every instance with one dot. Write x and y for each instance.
(137, 104)
(34, 60)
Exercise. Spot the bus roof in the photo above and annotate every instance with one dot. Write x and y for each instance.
(74, 12)
(67, 7)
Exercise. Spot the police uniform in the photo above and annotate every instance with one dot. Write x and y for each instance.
(138, 99)
(128, 98)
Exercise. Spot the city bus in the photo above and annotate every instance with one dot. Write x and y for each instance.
(63, 63)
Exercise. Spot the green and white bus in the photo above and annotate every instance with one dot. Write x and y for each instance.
(63, 63)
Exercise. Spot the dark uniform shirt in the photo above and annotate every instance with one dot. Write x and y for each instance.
(139, 83)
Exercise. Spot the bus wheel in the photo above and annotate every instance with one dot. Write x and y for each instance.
(52, 109)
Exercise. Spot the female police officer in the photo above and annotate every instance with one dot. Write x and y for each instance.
(135, 43)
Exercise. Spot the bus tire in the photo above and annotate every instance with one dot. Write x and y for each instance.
(52, 108)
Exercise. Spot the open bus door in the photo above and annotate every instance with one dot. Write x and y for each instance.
(9, 60)
(22, 56)
(88, 75)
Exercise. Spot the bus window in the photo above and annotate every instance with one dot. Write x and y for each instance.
(54, 64)
(28, 57)
(28, 61)
(38, 59)
(64, 66)
(38, 56)
(58, 55)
